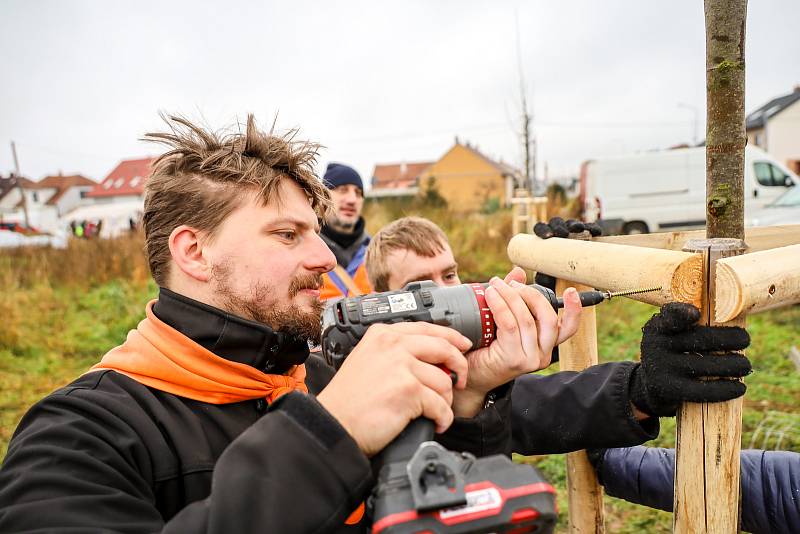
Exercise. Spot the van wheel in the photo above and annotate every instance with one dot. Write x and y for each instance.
(635, 227)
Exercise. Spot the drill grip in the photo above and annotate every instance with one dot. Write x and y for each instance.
(403, 447)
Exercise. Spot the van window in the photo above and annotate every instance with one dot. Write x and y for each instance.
(769, 175)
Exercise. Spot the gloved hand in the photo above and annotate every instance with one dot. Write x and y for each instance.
(558, 227)
(596, 458)
(676, 352)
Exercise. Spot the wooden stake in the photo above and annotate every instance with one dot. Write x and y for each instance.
(709, 435)
(613, 267)
(585, 495)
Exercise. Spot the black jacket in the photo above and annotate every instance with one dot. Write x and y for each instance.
(570, 410)
(770, 484)
(346, 245)
(109, 454)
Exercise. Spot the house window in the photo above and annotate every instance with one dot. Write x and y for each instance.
(83, 194)
(135, 181)
(108, 183)
(119, 182)
(759, 139)
(35, 196)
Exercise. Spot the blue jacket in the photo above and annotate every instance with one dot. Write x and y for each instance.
(770, 484)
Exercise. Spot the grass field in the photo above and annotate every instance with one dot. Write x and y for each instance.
(62, 310)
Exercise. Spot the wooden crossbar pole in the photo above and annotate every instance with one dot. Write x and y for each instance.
(757, 239)
(756, 282)
(613, 267)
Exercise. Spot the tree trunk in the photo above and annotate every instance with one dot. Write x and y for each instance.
(725, 136)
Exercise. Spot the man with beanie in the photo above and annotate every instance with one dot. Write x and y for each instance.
(344, 234)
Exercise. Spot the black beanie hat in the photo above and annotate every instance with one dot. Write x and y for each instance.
(337, 174)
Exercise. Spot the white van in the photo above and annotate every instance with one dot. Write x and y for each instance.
(666, 190)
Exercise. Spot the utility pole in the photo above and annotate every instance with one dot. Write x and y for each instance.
(17, 178)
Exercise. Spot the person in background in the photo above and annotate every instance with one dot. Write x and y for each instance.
(343, 231)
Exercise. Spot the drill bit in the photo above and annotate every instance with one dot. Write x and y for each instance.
(631, 292)
(594, 297)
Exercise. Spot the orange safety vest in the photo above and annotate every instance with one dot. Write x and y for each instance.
(341, 283)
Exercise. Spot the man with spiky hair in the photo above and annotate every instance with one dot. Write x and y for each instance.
(198, 422)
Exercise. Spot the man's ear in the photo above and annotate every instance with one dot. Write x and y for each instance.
(186, 247)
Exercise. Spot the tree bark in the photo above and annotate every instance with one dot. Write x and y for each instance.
(725, 135)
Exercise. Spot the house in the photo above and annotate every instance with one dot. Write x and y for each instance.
(45, 201)
(10, 195)
(396, 179)
(469, 180)
(124, 183)
(775, 127)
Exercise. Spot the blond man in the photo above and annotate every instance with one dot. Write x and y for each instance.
(614, 404)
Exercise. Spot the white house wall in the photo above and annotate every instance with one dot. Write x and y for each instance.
(783, 134)
(10, 200)
(72, 199)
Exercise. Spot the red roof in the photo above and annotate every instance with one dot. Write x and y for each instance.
(398, 175)
(127, 178)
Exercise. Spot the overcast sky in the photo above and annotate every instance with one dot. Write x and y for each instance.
(373, 81)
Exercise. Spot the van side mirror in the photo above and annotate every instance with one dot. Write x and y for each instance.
(788, 182)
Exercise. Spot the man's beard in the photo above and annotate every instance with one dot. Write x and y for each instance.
(260, 304)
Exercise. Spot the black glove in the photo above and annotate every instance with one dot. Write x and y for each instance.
(596, 458)
(558, 227)
(676, 352)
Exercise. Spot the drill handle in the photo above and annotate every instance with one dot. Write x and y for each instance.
(403, 447)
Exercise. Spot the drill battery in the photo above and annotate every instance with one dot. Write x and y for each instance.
(500, 496)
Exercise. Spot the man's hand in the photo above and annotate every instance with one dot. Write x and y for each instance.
(392, 378)
(527, 330)
(677, 353)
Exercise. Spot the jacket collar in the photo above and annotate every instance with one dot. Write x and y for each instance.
(229, 336)
(345, 245)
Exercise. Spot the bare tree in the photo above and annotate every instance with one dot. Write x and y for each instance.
(725, 136)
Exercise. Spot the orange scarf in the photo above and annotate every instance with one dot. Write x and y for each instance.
(158, 356)
(162, 358)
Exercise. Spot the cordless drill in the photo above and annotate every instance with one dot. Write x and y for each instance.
(423, 487)
(462, 307)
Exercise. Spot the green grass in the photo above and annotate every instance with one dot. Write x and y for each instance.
(50, 334)
(60, 333)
